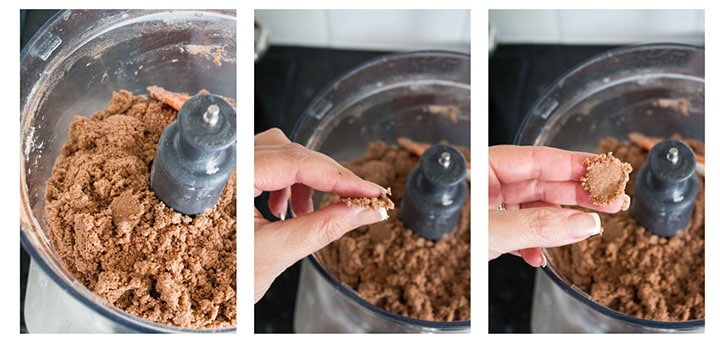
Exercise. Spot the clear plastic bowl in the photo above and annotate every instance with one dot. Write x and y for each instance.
(71, 67)
(382, 99)
(612, 94)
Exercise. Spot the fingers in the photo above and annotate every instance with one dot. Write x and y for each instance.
(520, 163)
(281, 166)
(290, 171)
(301, 200)
(515, 230)
(272, 136)
(278, 202)
(533, 256)
(280, 244)
(298, 195)
(564, 193)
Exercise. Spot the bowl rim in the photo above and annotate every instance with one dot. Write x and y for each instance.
(357, 69)
(646, 323)
(559, 81)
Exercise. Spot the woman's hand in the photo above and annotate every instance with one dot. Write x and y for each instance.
(290, 172)
(527, 186)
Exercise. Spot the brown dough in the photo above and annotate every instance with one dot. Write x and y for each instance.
(391, 267)
(372, 203)
(606, 178)
(124, 244)
(630, 270)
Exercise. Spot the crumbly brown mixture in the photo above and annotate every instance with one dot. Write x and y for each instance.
(123, 243)
(635, 272)
(606, 178)
(390, 266)
(383, 201)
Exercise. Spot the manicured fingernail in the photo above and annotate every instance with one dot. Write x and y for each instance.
(626, 202)
(383, 213)
(283, 211)
(369, 216)
(544, 260)
(310, 206)
(585, 224)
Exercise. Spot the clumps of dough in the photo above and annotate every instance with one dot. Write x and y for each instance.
(606, 178)
(383, 201)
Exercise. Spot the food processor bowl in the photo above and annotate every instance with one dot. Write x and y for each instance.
(71, 67)
(657, 90)
(421, 95)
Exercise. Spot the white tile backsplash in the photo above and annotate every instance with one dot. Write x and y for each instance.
(450, 29)
(598, 26)
(525, 25)
(369, 29)
(295, 27)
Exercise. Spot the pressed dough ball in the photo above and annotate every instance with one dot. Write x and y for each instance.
(606, 178)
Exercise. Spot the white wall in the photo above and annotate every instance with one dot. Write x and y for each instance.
(598, 26)
(369, 29)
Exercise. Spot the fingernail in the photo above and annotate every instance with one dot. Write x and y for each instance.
(626, 202)
(310, 206)
(544, 260)
(383, 213)
(370, 216)
(283, 211)
(585, 224)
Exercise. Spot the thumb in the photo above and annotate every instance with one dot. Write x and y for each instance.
(280, 244)
(306, 234)
(512, 230)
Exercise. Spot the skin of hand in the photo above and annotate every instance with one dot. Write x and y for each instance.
(532, 183)
(290, 172)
